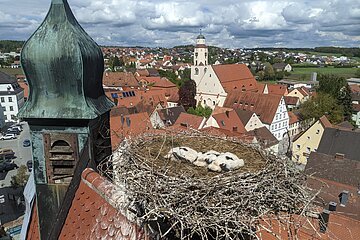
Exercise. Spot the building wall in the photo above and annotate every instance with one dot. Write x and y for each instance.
(309, 141)
(253, 123)
(211, 122)
(280, 123)
(156, 121)
(296, 93)
(356, 119)
(209, 91)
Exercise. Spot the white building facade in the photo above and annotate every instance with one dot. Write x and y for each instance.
(11, 97)
(280, 124)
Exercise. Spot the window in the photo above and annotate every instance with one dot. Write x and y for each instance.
(11, 108)
(272, 127)
(2, 99)
(214, 103)
(205, 69)
(283, 115)
(196, 55)
(10, 99)
(209, 75)
(196, 71)
(297, 157)
(308, 149)
(317, 131)
(308, 137)
(298, 146)
(222, 123)
(4, 109)
(205, 102)
(277, 116)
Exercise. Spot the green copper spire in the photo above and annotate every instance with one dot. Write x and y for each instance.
(64, 68)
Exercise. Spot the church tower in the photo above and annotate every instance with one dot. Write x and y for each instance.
(200, 57)
(67, 111)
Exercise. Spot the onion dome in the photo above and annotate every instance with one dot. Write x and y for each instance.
(64, 68)
(200, 37)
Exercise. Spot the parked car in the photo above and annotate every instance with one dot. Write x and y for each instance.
(8, 136)
(5, 167)
(6, 154)
(13, 131)
(29, 165)
(16, 127)
(26, 143)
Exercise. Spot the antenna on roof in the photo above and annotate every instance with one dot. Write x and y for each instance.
(200, 31)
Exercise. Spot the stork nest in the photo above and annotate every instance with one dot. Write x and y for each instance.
(177, 200)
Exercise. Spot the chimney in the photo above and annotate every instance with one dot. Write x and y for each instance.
(324, 220)
(332, 206)
(343, 198)
(339, 156)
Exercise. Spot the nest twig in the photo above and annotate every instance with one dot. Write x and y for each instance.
(181, 201)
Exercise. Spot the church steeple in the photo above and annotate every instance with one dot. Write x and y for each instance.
(67, 111)
(64, 67)
(200, 51)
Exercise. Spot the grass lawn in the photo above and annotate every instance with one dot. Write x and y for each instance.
(12, 71)
(305, 73)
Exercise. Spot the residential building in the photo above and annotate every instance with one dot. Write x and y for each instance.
(227, 120)
(264, 138)
(295, 126)
(249, 119)
(270, 109)
(282, 67)
(356, 114)
(309, 140)
(186, 120)
(11, 97)
(165, 117)
(119, 80)
(292, 102)
(276, 89)
(302, 93)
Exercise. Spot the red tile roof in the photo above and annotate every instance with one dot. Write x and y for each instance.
(291, 100)
(264, 105)
(25, 86)
(277, 89)
(230, 121)
(339, 227)
(119, 79)
(325, 122)
(189, 120)
(139, 123)
(293, 118)
(354, 88)
(33, 231)
(157, 82)
(93, 213)
(235, 76)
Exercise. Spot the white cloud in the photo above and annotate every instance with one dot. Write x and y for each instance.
(229, 23)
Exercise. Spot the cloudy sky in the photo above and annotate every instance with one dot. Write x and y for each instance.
(225, 23)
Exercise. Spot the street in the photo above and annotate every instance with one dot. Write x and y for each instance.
(22, 154)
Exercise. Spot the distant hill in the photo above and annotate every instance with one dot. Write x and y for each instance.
(350, 52)
(10, 45)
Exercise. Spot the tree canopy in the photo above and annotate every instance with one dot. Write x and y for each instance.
(200, 111)
(322, 104)
(187, 94)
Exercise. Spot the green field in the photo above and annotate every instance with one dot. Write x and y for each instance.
(12, 71)
(305, 73)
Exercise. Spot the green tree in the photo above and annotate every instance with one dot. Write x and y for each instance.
(339, 89)
(357, 73)
(322, 104)
(187, 94)
(200, 111)
(20, 179)
(269, 73)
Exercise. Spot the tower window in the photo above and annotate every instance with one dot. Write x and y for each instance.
(196, 55)
(196, 71)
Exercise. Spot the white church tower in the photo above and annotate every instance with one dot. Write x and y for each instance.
(200, 65)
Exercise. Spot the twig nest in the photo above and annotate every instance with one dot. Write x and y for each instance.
(214, 161)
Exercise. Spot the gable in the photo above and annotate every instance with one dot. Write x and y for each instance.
(210, 83)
